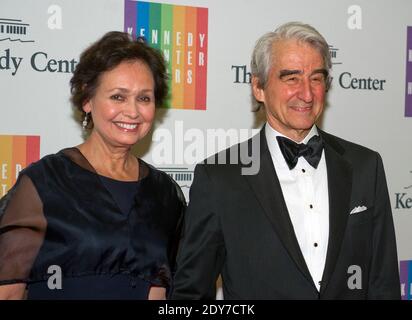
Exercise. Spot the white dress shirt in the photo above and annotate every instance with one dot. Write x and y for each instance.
(305, 190)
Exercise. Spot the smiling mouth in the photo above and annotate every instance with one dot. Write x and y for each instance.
(126, 126)
(301, 109)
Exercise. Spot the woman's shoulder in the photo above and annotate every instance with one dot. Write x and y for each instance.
(50, 163)
(163, 181)
(37, 165)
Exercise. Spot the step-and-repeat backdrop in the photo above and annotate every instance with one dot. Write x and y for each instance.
(208, 45)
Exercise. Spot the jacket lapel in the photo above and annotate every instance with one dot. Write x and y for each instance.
(339, 173)
(266, 187)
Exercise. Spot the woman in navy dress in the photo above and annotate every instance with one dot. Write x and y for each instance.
(93, 221)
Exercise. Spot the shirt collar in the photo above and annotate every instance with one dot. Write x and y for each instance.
(273, 133)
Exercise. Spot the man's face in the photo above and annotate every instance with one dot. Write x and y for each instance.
(294, 95)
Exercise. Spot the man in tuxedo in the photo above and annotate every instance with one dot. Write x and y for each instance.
(315, 222)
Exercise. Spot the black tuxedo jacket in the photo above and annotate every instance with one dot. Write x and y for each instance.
(239, 226)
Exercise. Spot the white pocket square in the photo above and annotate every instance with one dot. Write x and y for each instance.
(358, 209)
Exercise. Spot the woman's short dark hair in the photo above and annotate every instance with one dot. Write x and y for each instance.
(107, 53)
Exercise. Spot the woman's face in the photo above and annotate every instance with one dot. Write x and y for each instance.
(123, 107)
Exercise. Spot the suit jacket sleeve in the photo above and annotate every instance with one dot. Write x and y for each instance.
(201, 252)
(384, 275)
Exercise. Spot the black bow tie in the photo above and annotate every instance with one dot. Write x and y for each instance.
(312, 151)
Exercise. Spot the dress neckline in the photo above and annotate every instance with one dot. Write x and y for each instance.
(119, 181)
(74, 155)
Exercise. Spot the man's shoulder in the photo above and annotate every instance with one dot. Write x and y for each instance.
(235, 155)
(350, 150)
(240, 159)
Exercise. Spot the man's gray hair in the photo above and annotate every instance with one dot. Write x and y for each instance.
(263, 55)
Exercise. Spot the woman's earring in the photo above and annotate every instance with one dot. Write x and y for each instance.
(85, 121)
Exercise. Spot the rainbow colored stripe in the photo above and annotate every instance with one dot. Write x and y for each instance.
(181, 33)
(405, 274)
(16, 153)
(408, 90)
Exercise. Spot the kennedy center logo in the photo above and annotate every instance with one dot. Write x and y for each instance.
(408, 93)
(181, 34)
(16, 153)
(14, 30)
